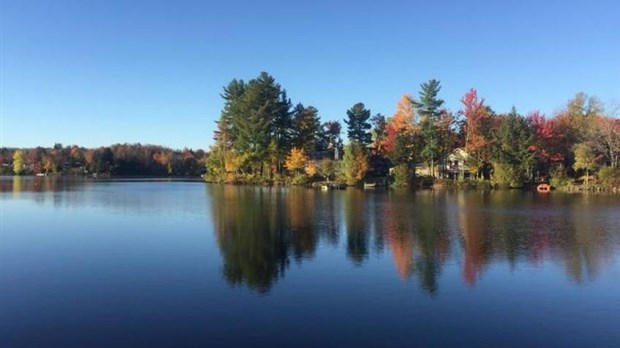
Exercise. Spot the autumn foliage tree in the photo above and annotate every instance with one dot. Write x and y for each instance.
(354, 163)
(401, 123)
(584, 159)
(478, 130)
(296, 160)
(259, 129)
(18, 162)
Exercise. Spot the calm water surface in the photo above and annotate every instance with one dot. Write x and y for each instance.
(185, 264)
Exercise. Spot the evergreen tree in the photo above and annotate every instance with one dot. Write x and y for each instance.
(224, 135)
(512, 158)
(329, 138)
(429, 109)
(232, 94)
(253, 121)
(306, 127)
(358, 127)
(404, 150)
(379, 132)
(282, 129)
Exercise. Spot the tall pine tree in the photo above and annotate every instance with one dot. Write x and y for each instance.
(429, 109)
(306, 127)
(358, 126)
(253, 121)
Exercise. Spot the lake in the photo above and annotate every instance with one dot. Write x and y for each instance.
(134, 263)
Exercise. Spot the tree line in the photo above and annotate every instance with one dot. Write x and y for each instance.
(262, 137)
(118, 159)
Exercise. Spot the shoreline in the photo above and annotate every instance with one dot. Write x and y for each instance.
(440, 186)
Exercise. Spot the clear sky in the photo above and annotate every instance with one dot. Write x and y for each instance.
(100, 72)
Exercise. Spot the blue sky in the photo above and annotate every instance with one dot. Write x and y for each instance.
(100, 72)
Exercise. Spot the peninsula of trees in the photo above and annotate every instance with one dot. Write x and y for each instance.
(263, 138)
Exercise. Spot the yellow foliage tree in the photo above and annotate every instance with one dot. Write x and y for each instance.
(296, 160)
(311, 168)
(234, 162)
(584, 158)
(18, 162)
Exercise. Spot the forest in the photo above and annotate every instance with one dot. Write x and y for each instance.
(263, 138)
(117, 160)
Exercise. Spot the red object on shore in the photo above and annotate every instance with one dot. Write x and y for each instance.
(543, 188)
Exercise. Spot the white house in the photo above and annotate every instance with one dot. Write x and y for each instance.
(456, 164)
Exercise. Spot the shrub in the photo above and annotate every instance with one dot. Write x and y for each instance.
(609, 176)
(299, 179)
(507, 175)
(559, 178)
(403, 175)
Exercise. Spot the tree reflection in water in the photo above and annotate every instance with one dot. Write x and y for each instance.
(261, 231)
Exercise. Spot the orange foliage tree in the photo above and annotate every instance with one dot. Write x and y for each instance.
(296, 160)
(402, 123)
(478, 124)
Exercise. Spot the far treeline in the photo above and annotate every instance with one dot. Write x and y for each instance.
(119, 159)
(263, 138)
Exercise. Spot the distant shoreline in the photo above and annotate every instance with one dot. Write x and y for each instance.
(109, 178)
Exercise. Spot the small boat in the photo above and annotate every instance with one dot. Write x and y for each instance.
(370, 185)
(325, 187)
(543, 188)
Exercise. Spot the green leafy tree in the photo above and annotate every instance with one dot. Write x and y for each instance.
(326, 168)
(354, 163)
(358, 125)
